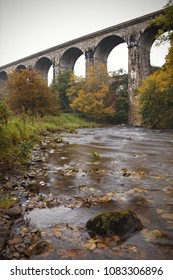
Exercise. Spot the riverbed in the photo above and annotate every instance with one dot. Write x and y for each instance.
(101, 169)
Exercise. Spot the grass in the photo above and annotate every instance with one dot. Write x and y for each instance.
(20, 134)
(7, 201)
(66, 121)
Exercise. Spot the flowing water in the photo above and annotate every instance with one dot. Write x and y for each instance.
(103, 169)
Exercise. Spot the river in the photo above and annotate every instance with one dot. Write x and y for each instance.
(101, 169)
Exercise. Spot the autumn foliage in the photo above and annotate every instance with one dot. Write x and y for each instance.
(90, 96)
(29, 93)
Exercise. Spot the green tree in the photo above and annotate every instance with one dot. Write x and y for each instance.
(29, 93)
(164, 22)
(61, 85)
(118, 96)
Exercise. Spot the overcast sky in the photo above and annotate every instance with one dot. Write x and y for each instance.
(29, 26)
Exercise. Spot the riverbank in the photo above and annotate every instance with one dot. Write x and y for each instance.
(21, 147)
(20, 134)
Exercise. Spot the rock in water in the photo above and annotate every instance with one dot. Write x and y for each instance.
(115, 223)
(39, 247)
(14, 212)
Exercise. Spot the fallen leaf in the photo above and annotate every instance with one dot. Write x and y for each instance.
(133, 248)
(71, 252)
(168, 189)
(167, 216)
(92, 189)
(101, 245)
(83, 187)
(138, 190)
(57, 232)
(105, 198)
(157, 232)
(93, 246)
(159, 211)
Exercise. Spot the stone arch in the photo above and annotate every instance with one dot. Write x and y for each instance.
(146, 40)
(68, 59)
(20, 67)
(105, 46)
(3, 78)
(43, 65)
(148, 36)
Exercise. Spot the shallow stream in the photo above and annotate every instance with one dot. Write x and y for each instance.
(101, 169)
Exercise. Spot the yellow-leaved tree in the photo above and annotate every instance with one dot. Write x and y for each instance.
(90, 96)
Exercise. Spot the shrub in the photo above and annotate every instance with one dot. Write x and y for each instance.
(28, 93)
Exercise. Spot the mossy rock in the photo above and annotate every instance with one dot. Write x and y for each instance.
(34, 187)
(119, 223)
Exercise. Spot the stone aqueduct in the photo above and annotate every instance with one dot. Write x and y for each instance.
(137, 33)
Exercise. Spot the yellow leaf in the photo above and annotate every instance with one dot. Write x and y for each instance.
(93, 246)
(57, 232)
(167, 216)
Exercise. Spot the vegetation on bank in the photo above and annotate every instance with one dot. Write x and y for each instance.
(97, 97)
(20, 134)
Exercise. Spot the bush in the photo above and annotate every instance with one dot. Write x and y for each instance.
(15, 142)
(28, 93)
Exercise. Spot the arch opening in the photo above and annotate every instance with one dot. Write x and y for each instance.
(148, 37)
(3, 79)
(43, 65)
(3, 76)
(20, 67)
(79, 67)
(105, 46)
(50, 75)
(158, 53)
(118, 60)
(69, 58)
(149, 42)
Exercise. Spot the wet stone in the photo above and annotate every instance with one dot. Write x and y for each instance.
(119, 223)
(14, 211)
(34, 187)
(39, 247)
(4, 233)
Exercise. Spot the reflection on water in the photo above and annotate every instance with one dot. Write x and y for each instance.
(135, 164)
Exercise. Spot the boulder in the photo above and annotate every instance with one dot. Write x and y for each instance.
(121, 223)
(34, 187)
(4, 234)
(39, 247)
(14, 212)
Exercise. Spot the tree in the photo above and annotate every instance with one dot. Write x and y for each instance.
(164, 22)
(29, 93)
(60, 85)
(90, 96)
(156, 92)
(122, 100)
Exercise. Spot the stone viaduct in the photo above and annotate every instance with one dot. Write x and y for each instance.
(136, 33)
